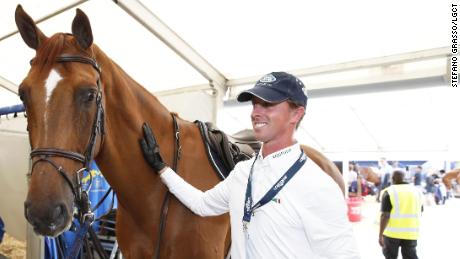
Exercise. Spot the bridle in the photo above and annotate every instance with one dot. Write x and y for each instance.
(81, 196)
(46, 154)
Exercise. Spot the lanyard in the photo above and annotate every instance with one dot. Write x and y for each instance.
(249, 208)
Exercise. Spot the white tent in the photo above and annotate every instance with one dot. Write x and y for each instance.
(377, 71)
(341, 49)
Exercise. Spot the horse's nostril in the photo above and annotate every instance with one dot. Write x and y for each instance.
(57, 212)
(26, 211)
(29, 218)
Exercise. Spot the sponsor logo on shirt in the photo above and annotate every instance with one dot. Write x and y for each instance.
(284, 152)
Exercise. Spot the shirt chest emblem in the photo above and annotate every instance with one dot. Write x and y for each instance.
(281, 153)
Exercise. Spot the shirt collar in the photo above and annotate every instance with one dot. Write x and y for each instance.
(287, 153)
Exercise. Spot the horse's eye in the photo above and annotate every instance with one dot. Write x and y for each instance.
(21, 95)
(91, 96)
(86, 96)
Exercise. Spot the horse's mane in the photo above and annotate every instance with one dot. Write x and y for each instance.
(49, 50)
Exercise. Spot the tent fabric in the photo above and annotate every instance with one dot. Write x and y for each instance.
(391, 107)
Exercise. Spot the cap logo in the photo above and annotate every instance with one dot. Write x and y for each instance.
(268, 78)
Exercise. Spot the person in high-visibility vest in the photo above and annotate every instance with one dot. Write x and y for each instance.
(400, 219)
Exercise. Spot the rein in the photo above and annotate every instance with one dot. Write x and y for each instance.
(165, 205)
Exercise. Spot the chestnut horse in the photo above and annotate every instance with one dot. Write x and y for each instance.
(81, 105)
(449, 176)
(370, 175)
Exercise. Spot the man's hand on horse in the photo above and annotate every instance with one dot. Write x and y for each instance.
(151, 150)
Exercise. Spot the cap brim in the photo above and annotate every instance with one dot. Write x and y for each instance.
(264, 93)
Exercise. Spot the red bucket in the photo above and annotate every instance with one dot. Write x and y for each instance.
(354, 208)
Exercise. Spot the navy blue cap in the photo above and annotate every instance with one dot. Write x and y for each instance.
(277, 87)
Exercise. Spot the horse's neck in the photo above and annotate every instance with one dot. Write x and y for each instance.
(127, 106)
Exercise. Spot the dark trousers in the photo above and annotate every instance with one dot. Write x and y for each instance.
(391, 249)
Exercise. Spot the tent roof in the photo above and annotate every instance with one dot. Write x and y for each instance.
(368, 47)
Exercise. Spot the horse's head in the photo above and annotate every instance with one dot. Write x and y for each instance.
(63, 100)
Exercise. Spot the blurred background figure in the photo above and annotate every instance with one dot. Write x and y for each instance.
(429, 188)
(352, 176)
(397, 167)
(440, 190)
(365, 176)
(385, 176)
(418, 177)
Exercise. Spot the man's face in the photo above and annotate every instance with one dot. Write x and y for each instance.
(273, 122)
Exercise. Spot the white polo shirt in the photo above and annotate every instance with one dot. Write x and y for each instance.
(307, 218)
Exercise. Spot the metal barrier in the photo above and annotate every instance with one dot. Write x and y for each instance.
(12, 109)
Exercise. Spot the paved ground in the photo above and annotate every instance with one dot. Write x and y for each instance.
(439, 237)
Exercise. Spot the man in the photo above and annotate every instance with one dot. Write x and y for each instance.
(418, 177)
(400, 218)
(352, 177)
(281, 204)
(385, 176)
(429, 188)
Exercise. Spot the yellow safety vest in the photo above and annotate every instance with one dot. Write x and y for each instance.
(405, 214)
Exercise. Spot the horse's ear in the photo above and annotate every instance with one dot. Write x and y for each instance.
(30, 33)
(81, 30)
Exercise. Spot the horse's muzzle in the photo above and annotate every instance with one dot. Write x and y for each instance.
(50, 221)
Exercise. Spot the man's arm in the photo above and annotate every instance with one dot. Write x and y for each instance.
(209, 203)
(384, 216)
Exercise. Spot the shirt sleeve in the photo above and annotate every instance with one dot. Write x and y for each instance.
(210, 203)
(386, 203)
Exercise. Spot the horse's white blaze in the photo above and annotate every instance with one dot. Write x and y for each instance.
(50, 84)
